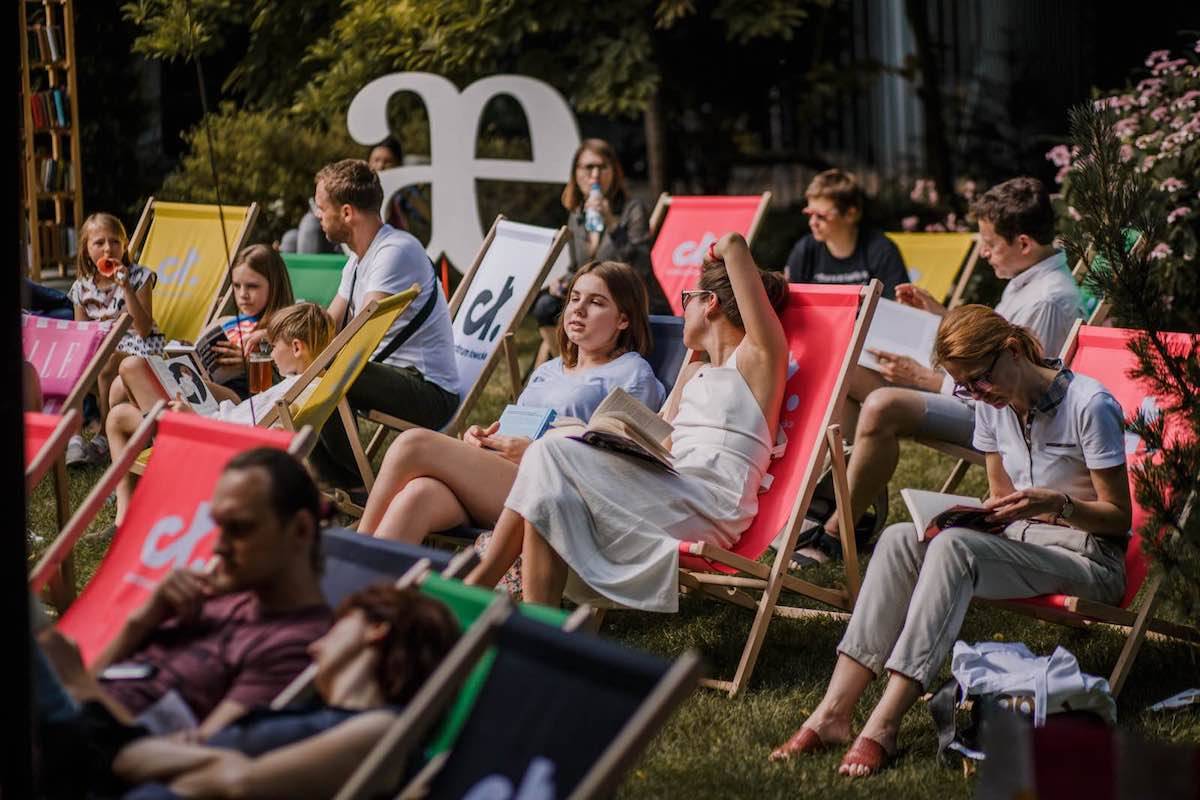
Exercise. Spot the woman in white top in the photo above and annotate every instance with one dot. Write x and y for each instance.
(432, 482)
(1055, 450)
(616, 521)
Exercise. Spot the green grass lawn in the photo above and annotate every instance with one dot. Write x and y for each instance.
(717, 747)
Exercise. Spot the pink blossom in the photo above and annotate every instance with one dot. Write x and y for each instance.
(1178, 213)
(1150, 84)
(1073, 214)
(1059, 155)
(1161, 251)
(1062, 173)
(1145, 140)
(1156, 56)
(1172, 185)
(1126, 152)
(1159, 114)
(1197, 47)
(1169, 67)
(909, 223)
(1127, 127)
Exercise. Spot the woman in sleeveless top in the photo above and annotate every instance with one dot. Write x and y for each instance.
(616, 521)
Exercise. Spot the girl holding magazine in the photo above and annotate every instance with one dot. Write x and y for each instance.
(431, 482)
(616, 521)
(1055, 450)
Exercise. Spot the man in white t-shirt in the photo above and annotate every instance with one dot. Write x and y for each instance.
(413, 374)
(906, 399)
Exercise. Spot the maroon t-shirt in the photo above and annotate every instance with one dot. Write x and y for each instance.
(232, 651)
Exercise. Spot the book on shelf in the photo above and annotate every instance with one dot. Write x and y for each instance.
(528, 421)
(623, 425)
(934, 512)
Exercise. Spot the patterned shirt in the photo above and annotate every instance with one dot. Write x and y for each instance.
(105, 303)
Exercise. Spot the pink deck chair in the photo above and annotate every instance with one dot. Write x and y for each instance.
(46, 437)
(825, 327)
(68, 355)
(167, 525)
(686, 226)
(1102, 353)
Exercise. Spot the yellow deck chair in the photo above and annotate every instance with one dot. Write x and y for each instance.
(342, 361)
(940, 263)
(181, 243)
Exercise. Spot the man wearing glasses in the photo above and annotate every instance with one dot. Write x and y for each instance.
(1016, 236)
(838, 248)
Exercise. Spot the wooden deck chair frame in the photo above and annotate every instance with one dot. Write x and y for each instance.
(1081, 612)
(64, 544)
(663, 204)
(91, 373)
(422, 713)
(225, 289)
(388, 423)
(770, 579)
(52, 456)
(967, 269)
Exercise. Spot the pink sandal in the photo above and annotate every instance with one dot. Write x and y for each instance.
(868, 753)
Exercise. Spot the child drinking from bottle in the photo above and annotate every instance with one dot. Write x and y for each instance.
(107, 283)
(297, 333)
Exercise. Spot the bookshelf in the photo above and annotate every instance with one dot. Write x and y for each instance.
(51, 190)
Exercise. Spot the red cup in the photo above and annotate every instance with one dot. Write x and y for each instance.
(108, 266)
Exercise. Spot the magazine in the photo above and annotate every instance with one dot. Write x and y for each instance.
(933, 512)
(178, 377)
(900, 329)
(624, 425)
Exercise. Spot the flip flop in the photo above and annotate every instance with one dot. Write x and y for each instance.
(868, 753)
(805, 740)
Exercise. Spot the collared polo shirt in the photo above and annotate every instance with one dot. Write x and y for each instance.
(1046, 300)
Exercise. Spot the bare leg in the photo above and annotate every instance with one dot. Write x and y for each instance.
(860, 383)
(122, 421)
(502, 551)
(423, 506)
(108, 374)
(830, 720)
(884, 722)
(220, 392)
(543, 572)
(478, 481)
(142, 387)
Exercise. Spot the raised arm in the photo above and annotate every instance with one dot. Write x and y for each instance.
(762, 325)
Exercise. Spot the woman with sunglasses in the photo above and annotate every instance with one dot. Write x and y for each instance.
(838, 248)
(615, 520)
(1055, 450)
(626, 235)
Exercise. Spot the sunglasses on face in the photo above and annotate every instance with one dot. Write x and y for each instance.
(820, 216)
(974, 388)
(688, 294)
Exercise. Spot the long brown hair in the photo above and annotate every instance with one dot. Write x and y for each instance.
(421, 631)
(975, 332)
(84, 266)
(573, 199)
(628, 291)
(267, 262)
(714, 278)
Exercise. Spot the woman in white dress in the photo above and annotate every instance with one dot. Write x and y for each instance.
(615, 520)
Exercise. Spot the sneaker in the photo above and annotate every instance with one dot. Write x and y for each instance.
(77, 451)
(99, 450)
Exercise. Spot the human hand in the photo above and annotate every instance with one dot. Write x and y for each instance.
(475, 434)
(180, 594)
(252, 340)
(906, 371)
(721, 249)
(511, 448)
(222, 776)
(64, 656)
(914, 296)
(180, 405)
(228, 354)
(1029, 503)
(121, 276)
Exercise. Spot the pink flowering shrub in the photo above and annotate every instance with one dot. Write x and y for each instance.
(1157, 121)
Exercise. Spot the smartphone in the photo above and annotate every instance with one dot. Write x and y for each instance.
(128, 671)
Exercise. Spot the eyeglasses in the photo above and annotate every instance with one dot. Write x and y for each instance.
(976, 387)
(822, 216)
(688, 294)
(587, 169)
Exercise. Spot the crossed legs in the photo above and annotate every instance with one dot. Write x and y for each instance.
(430, 482)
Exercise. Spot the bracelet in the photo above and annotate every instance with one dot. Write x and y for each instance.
(712, 252)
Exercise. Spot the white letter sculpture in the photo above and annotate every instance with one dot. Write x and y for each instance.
(453, 130)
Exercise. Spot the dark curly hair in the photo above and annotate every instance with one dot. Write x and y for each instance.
(421, 631)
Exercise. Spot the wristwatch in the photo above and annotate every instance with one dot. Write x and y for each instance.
(1068, 508)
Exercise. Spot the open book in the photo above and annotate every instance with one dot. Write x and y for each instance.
(177, 376)
(622, 424)
(900, 329)
(934, 512)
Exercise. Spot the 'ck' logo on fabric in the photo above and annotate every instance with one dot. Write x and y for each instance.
(453, 168)
(484, 322)
(163, 548)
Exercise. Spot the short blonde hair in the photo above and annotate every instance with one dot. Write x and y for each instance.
(838, 187)
(307, 322)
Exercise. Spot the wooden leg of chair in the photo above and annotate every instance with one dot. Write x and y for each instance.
(62, 589)
(1137, 634)
(360, 458)
(841, 493)
(955, 476)
(376, 443)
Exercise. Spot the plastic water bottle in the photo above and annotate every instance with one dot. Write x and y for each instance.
(593, 220)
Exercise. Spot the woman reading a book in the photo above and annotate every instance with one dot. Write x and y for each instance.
(615, 520)
(1055, 450)
(431, 482)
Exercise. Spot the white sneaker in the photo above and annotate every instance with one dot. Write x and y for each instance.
(77, 451)
(98, 448)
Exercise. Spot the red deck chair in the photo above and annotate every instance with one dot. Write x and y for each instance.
(68, 355)
(167, 525)
(1102, 353)
(686, 226)
(825, 327)
(46, 437)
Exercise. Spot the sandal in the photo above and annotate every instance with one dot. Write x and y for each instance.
(868, 753)
(805, 740)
